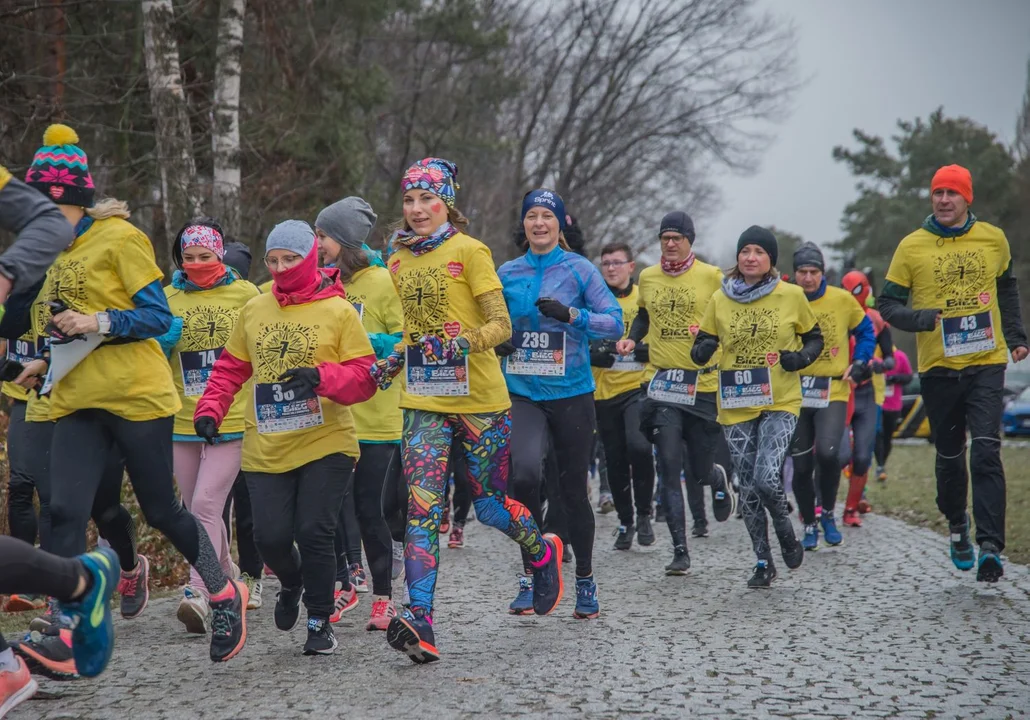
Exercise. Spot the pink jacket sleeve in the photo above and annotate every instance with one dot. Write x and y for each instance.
(346, 383)
(227, 377)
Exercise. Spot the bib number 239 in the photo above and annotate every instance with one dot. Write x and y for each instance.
(539, 353)
(745, 388)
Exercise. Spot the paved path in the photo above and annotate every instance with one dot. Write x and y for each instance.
(882, 627)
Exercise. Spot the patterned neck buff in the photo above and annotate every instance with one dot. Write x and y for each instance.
(672, 268)
(421, 244)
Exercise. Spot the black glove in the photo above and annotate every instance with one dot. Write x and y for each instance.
(792, 361)
(304, 379)
(206, 428)
(504, 349)
(876, 366)
(642, 353)
(926, 320)
(549, 307)
(10, 369)
(601, 355)
(56, 336)
(861, 371)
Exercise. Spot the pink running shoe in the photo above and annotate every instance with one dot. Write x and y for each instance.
(383, 611)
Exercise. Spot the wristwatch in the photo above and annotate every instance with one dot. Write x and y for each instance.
(103, 323)
(573, 314)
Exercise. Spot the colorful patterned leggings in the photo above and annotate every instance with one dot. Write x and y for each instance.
(483, 439)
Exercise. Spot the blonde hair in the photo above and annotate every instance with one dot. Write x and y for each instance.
(109, 208)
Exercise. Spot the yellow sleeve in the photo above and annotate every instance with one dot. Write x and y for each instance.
(480, 271)
(389, 310)
(237, 343)
(353, 338)
(5, 176)
(855, 316)
(709, 322)
(135, 264)
(899, 272)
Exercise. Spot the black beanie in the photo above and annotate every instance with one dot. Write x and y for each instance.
(761, 237)
(808, 254)
(678, 221)
(237, 256)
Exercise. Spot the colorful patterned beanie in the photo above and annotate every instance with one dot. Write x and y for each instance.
(435, 175)
(60, 169)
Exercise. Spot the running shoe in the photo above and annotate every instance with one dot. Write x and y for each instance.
(680, 562)
(16, 686)
(764, 574)
(988, 566)
(645, 533)
(383, 611)
(398, 560)
(287, 608)
(48, 654)
(793, 552)
(44, 621)
(606, 504)
(93, 632)
(864, 507)
(193, 611)
(254, 589)
(724, 500)
(700, 530)
(411, 632)
(881, 473)
(24, 603)
(523, 602)
(321, 638)
(548, 584)
(343, 601)
(852, 518)
(358, 579)
(457, 538)
(810, 541)
(134, 587)
(445, 521)
(831, 534)
(270, 573)
(229, 624)
(962, 553)
(587, 607)
(623, 537)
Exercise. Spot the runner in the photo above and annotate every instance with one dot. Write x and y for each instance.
(205, 298)
(679, 412)
(558, 303)
(767, 333)
(958, 273)
(309, 357)
(342, 230)
(618, 400)
(897, 378)
(454, 315)
(120, 399)
(824, 393)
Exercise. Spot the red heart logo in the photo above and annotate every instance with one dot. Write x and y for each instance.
(694, 329)
(834, 351)
(985, 297)
(394, 266)
(452, 329)
(56, 192)
(772, 358)
(455, 268)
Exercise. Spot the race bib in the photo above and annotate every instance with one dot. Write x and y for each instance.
(279, 410)
(967, 334)
(360, 307)
(745, 388)
(24, 351)
(537, 353)
(446, 378)
(196, 369)
(892, 390)
(674, 385)
(626, 363)
(815, 391)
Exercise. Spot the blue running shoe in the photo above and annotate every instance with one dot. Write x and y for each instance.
(989, 567)
(586, 599)
(962, 554)
(548, 585)
(831, 534)
(523, 602)
(411, 632)
(810, 540)
(93, 633)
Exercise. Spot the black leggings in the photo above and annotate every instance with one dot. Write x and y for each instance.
(374, 476)
(295, 516)
(21, 510)
(239, 500)
(458, 489)
(85, 443)
(627, 453)
(817, 442)
(347, 540)
(889, 420)
(568, 424)
(859, 450)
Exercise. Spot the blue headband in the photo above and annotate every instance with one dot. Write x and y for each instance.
(548, 199)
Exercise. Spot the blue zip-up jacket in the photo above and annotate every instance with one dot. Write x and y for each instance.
(574, 281)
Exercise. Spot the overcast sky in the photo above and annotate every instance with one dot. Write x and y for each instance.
(870, 63)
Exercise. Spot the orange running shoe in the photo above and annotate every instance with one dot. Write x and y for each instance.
(15, 687)
(852, 518)
(383, 611)
(49, 655)
(24, 603)
(343, 600)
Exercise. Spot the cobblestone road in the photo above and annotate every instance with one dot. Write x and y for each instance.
(882, 627)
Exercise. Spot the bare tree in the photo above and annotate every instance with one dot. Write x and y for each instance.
(225, 115)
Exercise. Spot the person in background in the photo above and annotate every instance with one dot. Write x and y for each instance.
(897, 378)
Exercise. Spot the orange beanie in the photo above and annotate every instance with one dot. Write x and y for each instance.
(954, 177)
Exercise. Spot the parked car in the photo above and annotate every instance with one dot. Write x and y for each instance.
(1016, 418)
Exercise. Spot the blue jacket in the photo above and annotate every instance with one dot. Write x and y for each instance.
(573, 280)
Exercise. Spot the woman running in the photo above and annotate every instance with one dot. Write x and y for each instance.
(342, 230)
(558, 303)
(309, 358)
(205, 298)
(767, 332)
(896, 378)
(454, 315)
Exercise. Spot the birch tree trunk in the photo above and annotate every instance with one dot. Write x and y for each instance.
(178, 172)
(225, 130)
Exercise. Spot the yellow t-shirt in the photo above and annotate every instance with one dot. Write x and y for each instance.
(626, 374)
(675, 306)
(208, 318)
(879, 381)
(22, 350)
(372, 293)
(837, 314)
(438, 292)
(102, 270)
(38, 409)
(5, 176)
(751, 336)
(265, 287)
(284, 430)
(959, 277)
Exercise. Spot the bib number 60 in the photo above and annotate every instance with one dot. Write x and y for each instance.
(742, 377)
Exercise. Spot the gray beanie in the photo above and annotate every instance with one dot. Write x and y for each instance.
(348, 221)
(808, 254)
(293, 235)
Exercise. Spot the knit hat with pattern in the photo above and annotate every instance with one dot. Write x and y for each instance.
(60, 169)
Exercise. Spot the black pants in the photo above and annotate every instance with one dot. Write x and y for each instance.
(627, 453)
(21, 492)
(85, 446)
(302, 506)
(817, 441)
(889, 420)
(374, 476)
(971, 403)
(553, 518)
(347, 540)
(395, 505)
(568, 424)
(239, 501)
(458, 489)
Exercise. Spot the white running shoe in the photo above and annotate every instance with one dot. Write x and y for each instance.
(193, 611)
(254, 586)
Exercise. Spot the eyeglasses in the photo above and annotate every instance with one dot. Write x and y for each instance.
(283, 262)
(614, 263)
(664, 239)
